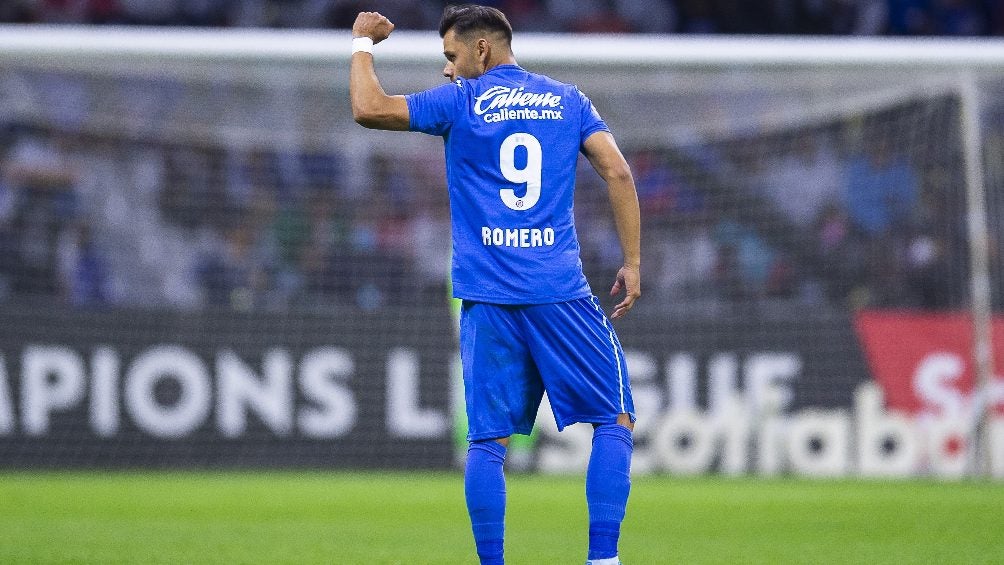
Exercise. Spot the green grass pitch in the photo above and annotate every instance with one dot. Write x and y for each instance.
(409, 518)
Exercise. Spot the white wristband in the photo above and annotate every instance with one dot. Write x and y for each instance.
(364, 44)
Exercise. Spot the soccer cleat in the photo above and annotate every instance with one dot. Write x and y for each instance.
(599, 561)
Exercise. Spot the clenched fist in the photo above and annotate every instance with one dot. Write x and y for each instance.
(372, 25)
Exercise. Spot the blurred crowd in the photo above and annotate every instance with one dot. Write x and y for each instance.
(96, 221)
(844, 214)
(851, 214)
(866, 17)
(867, 210)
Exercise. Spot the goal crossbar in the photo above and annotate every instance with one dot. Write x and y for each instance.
(20, 42)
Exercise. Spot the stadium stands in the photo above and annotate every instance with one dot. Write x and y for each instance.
(864, 17)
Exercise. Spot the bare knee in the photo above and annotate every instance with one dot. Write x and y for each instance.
(624, 419)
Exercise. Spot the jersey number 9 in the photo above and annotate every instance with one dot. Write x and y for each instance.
(529, 175)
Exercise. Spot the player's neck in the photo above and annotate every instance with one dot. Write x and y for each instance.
(507, 59)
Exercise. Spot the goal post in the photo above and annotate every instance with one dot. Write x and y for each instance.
(215, 263)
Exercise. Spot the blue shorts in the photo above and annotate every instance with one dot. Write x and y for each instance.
(512, 354)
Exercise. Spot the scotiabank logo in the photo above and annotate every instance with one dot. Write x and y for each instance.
(917, 416)
(924, 363)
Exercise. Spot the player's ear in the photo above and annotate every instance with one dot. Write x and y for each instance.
(484, 52)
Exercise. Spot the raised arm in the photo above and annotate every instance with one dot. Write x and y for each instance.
(371, 106)
(603, 153)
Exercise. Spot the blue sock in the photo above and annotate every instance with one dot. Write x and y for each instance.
(484, 487)
(608, 483)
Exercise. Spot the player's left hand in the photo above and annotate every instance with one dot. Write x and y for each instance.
(373, 25)
(628, 280)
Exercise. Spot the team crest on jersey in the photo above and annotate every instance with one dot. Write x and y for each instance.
(500, 103)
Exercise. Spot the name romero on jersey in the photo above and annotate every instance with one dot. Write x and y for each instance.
(517, 237)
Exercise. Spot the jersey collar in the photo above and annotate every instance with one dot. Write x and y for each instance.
(505, 67)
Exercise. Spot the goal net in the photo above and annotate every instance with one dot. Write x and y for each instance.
(205, 262)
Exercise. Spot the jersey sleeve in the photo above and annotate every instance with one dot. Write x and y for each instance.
(590, 119)
(433, 111)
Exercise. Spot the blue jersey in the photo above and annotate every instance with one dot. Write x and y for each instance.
(512, 142)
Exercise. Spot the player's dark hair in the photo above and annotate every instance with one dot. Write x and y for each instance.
(466, 18)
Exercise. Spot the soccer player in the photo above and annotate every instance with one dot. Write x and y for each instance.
(529, 321)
